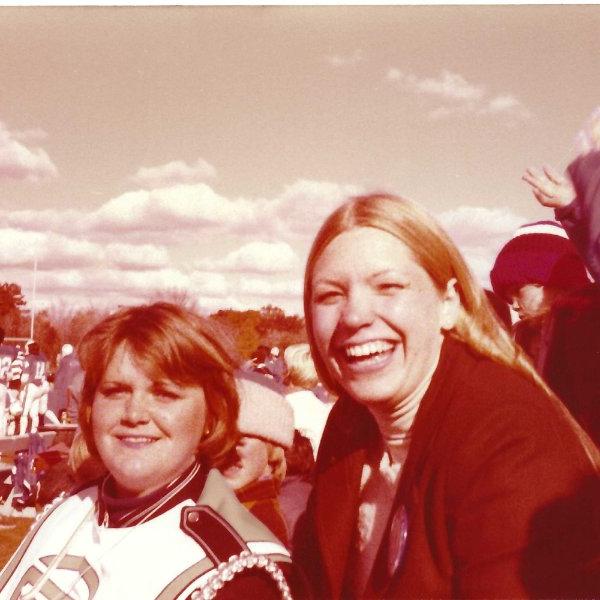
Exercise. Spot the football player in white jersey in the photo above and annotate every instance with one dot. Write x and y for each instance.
(7, 354)
(15, 407)
(34, 387)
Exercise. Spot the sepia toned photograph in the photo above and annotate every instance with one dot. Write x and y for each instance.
(299, 302)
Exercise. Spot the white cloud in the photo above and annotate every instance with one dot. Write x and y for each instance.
(304, 204)
(507, 104)
(447, 85)
(480, 233)
(108, 255)
(54, 251)
(255, 257)
(178, 207)
(458, 95)
(266, 288)
(339, 60)
(45, 220)
(174, 173)
(17, 161)
(209, 284)
(477, 225)
(129, 256)
(30, 135)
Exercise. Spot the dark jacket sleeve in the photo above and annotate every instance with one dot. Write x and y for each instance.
(581, 218)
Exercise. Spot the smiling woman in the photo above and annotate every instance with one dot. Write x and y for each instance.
(447, 468)
(159, 408)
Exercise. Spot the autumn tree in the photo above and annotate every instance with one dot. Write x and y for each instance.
(71, 323)
(12, 302)
(269, 326)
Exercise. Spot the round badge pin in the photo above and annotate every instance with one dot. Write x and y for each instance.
(397, 539)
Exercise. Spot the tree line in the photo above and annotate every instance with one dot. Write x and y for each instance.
(60, 324)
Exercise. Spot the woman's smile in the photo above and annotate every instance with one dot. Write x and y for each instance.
(367, 356)
(377, 316)
(147, 431)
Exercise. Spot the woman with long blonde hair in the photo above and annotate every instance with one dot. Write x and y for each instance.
(447, 468)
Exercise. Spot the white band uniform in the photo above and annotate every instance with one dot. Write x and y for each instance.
(154, 559)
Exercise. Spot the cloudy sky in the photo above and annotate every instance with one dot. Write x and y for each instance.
(147, 149)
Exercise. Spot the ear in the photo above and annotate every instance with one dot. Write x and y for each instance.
(450, 307)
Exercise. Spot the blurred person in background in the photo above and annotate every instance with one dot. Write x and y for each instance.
(8, 353)
(256, 465)
(541, 274)
(297, 484)
(15, 407)
(68, 375)
(575, 196)
(33, 396)
(310, 412)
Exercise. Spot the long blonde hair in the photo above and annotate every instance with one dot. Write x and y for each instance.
(477, 324)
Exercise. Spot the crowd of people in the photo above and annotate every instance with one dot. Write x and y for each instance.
(419, 445)
(30, 394)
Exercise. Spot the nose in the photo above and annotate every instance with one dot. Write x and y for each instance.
(136, 409)
(358, 309)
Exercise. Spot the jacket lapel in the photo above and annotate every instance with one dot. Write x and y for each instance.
(337, 488)
(454, 361)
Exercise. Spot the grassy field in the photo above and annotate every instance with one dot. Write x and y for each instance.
(12, 531)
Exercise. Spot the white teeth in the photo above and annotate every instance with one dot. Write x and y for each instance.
(368, 349)
(137, 440)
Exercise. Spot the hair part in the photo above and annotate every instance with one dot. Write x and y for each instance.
(477, 324)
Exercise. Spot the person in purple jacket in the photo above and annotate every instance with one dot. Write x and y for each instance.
(575, 197)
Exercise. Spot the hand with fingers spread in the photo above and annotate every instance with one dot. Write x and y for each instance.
(549, 187)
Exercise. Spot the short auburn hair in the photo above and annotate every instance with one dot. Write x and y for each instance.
(170, 342)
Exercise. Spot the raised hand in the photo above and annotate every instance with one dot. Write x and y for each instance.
(549, 187)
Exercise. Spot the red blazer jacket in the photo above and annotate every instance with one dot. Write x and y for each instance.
(500, 489)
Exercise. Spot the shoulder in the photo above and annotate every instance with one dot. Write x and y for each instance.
(497, 415)
(250, 562)
(220, 502)
(489, 398)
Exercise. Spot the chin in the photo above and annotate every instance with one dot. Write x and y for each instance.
(372, 392)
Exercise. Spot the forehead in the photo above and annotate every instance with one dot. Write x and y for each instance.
(123, 361)
(364, 251)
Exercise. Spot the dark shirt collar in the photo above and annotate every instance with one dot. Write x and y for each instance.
(127, 512)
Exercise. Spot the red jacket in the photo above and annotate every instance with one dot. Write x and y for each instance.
(500, 488)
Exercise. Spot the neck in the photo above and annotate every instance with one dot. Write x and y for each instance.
(395, 418)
